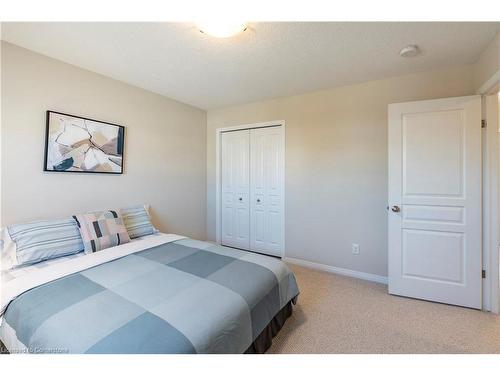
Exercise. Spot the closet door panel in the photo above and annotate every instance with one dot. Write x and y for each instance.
(235, 189)
(266, 190)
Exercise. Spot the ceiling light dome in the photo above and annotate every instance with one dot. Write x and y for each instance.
(222, 28)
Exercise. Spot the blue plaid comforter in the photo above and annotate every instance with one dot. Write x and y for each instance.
(185, 296)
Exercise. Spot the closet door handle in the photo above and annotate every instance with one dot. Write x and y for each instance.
(240, 199)
(258, 200)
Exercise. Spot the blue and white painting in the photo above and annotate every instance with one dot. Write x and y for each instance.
(77, 144)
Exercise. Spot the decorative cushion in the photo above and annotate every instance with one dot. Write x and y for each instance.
(101, 230)
(33, 242)
(137, 221)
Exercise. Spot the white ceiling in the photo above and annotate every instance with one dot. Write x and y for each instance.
(268, 60)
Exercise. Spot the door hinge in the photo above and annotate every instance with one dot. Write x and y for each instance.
(484, 123)
(483, 274)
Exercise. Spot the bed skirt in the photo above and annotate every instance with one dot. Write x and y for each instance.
(265, 339)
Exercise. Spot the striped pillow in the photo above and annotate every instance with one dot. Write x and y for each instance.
(101, 230)
(137, 221)
(33, 242)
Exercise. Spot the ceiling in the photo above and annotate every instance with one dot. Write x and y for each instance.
(266, 61)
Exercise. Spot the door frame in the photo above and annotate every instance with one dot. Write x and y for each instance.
(491, 193)
(218, 175)
(490, 204)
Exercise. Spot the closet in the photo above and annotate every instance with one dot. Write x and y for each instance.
(252, 176)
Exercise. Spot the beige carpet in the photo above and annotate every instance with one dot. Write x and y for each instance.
(337, 314)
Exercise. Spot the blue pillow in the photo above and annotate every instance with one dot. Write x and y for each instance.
(33, 242)
(137, 221)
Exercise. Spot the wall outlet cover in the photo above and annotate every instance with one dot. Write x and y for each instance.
(355, 248)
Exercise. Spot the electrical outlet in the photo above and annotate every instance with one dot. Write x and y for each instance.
(355, 248)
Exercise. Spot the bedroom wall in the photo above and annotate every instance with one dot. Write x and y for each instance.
(165, 146)
(336, 163)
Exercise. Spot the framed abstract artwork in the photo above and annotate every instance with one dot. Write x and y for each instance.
(82, 145)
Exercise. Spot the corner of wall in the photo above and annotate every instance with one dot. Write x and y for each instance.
(487, 65)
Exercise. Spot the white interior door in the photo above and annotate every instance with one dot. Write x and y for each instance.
(266, 190)
(435, 200)
(235, 189)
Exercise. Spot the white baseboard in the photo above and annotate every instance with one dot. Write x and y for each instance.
(338, 270)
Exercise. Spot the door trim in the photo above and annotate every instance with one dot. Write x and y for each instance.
(491, 192)
(218, 175)
(491, 86)
(491, 204)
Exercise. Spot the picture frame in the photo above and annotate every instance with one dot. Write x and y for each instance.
(76, 144)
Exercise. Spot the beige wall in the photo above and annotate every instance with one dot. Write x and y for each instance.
(336, 163)
(488, 63)
(165, 146)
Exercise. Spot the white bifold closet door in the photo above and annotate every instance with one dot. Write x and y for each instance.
(266, 176)
(252, 190)
(236, 189)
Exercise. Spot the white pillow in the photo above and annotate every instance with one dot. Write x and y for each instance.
(8, 257)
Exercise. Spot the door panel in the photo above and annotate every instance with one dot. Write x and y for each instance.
(433, 255)
(433, 214)
(434, 179)
(235, 189)
(266, 193)
(444, 151)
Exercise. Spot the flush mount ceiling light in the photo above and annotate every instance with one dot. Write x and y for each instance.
(222, 28)
(409, 51)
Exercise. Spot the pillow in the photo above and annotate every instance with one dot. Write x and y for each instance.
(101, 230)
(33, 242)
(137, 221)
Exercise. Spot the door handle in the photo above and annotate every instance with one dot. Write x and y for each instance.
(240, 199)
(395, 209)
(258, 200)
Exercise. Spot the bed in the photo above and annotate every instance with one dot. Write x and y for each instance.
(162, 293)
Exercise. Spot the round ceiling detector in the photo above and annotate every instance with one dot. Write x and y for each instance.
(409, 51)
